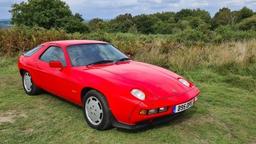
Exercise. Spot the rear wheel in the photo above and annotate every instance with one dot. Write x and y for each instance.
(96, 110)
(29, 87)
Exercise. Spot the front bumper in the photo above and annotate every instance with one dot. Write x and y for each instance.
(135, 119)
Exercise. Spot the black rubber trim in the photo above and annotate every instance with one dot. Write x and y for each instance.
(145, 124)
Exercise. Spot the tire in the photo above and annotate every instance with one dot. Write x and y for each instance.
(96, 111)
(31, 88)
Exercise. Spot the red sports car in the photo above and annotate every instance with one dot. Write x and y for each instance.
(112, 89)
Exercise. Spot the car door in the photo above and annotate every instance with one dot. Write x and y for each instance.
(54, 80)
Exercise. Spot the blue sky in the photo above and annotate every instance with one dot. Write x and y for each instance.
(107, 9)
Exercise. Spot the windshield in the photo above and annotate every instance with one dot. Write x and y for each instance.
(88, 54)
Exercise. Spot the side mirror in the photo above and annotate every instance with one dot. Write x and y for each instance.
(55, 64)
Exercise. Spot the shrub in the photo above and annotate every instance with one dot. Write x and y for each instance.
(248, 24)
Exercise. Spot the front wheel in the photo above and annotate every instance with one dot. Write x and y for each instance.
(96, 110)
(29, 87)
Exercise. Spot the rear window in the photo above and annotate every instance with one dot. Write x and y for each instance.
(32, 51)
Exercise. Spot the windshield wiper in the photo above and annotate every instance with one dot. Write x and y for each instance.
(101, 62)
(122, 59)
(108, 61)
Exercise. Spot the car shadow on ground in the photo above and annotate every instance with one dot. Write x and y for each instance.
(180, 118)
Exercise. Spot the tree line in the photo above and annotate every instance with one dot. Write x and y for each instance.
(57, 14)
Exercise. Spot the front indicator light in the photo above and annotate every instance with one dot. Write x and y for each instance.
(163, 109)
(153, 111)
(143, 112)
(196, 98)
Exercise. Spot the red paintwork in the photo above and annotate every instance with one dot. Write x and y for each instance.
(115, 81)
(55, 64)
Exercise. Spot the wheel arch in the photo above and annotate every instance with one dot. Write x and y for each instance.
(22, 71)
(87, 89)
(84, 91)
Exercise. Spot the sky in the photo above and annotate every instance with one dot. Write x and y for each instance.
(107, 9)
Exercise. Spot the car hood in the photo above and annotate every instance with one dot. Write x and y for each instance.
(153, 80)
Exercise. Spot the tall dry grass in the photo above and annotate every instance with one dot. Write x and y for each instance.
(15, 40)
(178, 56)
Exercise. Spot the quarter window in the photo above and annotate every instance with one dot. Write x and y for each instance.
(53, 54)
(32, 51)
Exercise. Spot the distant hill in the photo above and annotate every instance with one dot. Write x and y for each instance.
(5, 23)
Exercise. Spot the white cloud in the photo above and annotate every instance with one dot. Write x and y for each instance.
(112, 8)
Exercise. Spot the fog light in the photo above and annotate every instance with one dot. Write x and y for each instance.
(152, 111)
(143, 112)
(162, 109)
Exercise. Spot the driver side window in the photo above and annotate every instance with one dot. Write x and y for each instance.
(53, 53)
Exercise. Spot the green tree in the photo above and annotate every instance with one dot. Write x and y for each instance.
(183, 14)
(183, 25)
(79, 17)
(164, 27)
(248, 23)
(243, 14)
(198, 24)
(122, 23)
(186, 14)
(223, 17)
(73, 24)
(145, 24)
(47, 14)
(165, 16)
(96, 24)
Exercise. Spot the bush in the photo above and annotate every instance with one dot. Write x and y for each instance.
(191, 36)
(18, 39)
(229, 33)
(248, 24)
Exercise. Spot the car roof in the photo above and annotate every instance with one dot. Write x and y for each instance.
(75, 42)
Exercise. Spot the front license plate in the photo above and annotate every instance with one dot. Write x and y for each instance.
(183, 106)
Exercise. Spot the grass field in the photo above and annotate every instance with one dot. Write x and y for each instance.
(225, 113)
